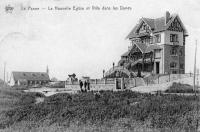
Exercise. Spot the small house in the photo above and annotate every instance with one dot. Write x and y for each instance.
(29, 78)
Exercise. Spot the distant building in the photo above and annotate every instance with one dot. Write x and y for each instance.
(29, 78)
(156, 46)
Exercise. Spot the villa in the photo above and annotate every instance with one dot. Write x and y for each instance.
(157, 46)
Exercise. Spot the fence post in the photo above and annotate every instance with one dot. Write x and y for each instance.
(105, 81)
(169, 77)
(95, 81)
(158, 79)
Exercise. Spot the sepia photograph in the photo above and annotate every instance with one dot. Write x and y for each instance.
(99, 66)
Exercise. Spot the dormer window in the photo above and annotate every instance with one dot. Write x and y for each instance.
(157, 38)
(144, 27)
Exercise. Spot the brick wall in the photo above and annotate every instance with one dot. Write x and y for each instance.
(179, 59)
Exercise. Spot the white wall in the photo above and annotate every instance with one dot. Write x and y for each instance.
(162, 35)
(12, 81)
(167, 37)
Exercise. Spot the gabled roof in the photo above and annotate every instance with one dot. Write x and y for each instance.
(141, 46)
(150, 22)
(34, 76)
(125, 54)
(146, 48)
(133, 32)
(156, 25)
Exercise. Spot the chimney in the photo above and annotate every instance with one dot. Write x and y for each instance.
(167, 17)
(47, 70)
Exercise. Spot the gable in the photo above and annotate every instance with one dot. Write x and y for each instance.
(134, 49)
(144, 28)
(176, 26)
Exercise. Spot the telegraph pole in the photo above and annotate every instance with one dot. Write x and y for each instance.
(195, 56)
(197, 101)
(7, 77)
(4, 73)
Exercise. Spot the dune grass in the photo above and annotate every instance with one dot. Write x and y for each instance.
(107, 111)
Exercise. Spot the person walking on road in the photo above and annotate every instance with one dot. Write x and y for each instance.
(88, 85)
(85, 86)
(81, 85)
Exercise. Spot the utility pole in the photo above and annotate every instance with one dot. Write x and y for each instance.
(195, 56)
(197, 101)
(7, 77)
(4, 73)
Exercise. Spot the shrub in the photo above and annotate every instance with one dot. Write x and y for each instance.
(181, 88)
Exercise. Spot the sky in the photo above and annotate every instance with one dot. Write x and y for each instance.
(84, 42)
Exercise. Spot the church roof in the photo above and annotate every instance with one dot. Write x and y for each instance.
(33, 76)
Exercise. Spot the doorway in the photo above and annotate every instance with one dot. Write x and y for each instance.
(157, 67)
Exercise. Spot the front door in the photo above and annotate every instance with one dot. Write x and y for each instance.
(157, 67)
(118, 85)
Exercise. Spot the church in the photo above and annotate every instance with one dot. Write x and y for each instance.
(157, 46)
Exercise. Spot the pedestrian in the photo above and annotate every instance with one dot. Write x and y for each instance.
(88, 85)
(85, 86)
(81, 85)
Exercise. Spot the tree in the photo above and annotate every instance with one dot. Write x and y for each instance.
(54, 79)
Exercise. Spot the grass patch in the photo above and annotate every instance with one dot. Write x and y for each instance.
(112, 110)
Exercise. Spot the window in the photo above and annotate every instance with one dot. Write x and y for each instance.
(144, 27)
(173, 37)
(172, 65)
(157, 54)
(181, 53)
(151, 40)
(174, 72)
(157, 38)
(173, 52)
(181, 66)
